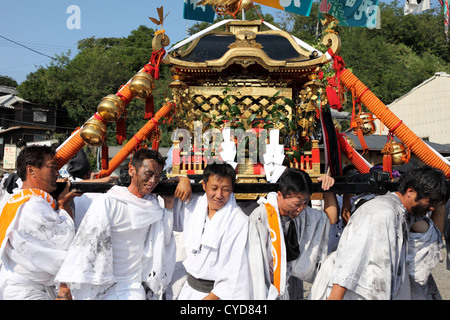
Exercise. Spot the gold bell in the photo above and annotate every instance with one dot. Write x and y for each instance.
(93, 132)
(110, 108)
(141, 85)
(351, 142)
(368, 127)
(398, 153)
(337, 125)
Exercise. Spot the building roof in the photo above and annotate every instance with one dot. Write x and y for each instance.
(437, 74)
(8, 101)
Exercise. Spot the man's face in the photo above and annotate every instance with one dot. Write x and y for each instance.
(422, 206)
(218, 191)
(146, 177)
(47, 174)
(292, 204)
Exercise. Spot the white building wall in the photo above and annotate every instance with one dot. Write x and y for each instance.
(425, 110)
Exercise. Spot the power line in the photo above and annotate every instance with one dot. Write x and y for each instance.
(26, 47)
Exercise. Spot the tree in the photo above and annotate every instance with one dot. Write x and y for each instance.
(7, 81)
(76, 86)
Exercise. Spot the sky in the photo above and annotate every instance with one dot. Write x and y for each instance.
(43, 27)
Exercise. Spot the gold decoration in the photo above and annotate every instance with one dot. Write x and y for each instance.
(93, 132)
(111, 108)
(399, 153)
(141, 85)
(368, 127)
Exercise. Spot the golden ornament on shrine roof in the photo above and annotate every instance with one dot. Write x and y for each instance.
(111, 108)
(93, 132)
(141, 85)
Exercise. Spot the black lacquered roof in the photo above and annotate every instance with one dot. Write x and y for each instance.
(214, 46)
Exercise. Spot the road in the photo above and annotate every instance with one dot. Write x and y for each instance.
(441, 276)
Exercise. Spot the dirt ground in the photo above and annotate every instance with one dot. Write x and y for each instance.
(441, 275)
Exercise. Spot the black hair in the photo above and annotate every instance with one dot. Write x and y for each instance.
(294, 181)
(34, 156)
(222, 170)
(143, 154)
(428, 182)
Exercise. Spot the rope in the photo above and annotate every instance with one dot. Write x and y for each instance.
(140, 136)
(382, 112)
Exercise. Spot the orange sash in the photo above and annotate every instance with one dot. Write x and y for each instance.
(275, 236)
(10, 209)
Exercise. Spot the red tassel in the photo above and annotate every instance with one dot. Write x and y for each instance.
(105, 157)
(387, 163)
(149, 108)
(121, 131)
(333, 99)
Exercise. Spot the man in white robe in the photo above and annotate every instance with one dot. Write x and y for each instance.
(273, 262)
(124, 240)
(215, 232)
(424, 253)
(370, 261)
(79, 170)
(35, 229)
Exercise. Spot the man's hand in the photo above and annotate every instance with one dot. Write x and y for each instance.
(64, 293)
(327, 182)
(65, 197)
(184, 189)
(211, 296)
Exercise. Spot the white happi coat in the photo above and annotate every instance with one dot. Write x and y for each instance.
(215, 249)
(312, 227)
(123, 241)
(34, 248)
(424, 253)
(370, 261)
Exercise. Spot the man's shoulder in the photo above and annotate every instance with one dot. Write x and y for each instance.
(258, 214)
(382, 207)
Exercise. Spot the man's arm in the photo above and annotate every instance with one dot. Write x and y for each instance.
(330, 205)
(438, 217)
(182, 192)
(337, 292)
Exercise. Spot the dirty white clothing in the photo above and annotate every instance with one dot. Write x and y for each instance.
(370, 261)
(123, 241)
(312, 228)
(81, 204)
(424, 253)
(34, 249)
(215, 248)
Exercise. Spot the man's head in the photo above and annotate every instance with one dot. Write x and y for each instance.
(38, 168)
(218, 183)
(422, 189)
(295, 192)
(145, 171)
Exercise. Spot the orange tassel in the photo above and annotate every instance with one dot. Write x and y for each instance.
(155, 144)
(387, 163)
(364, 146)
